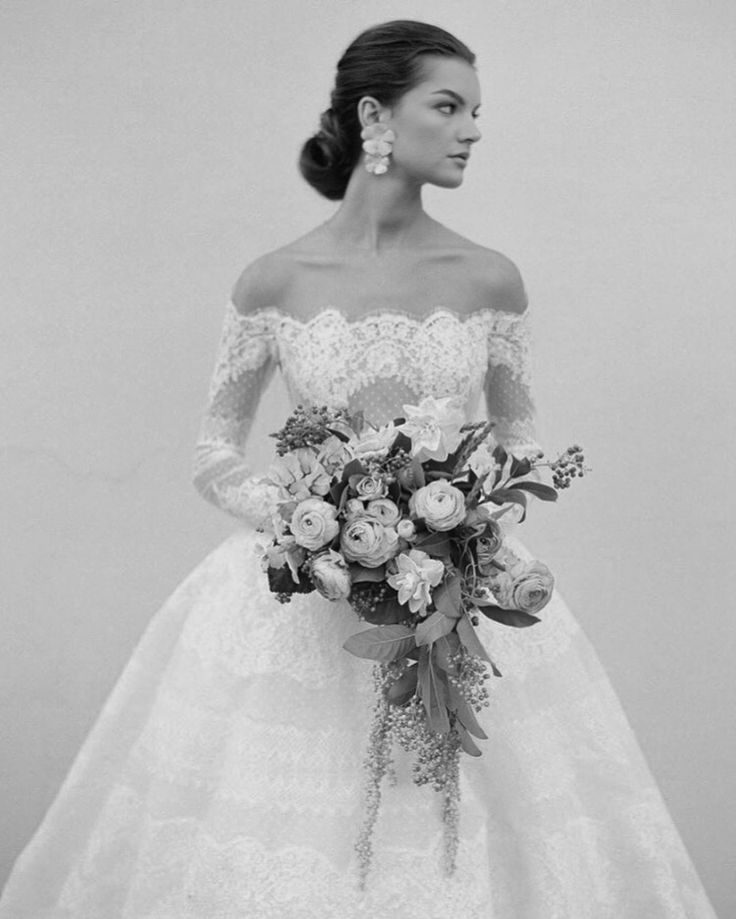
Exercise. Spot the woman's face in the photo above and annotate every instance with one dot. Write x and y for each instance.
(435, 124)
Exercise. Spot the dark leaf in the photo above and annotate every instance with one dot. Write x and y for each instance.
(403, 689)
(466, 741)
(469, 637)
(435, 544)
(520, 467)
(354, 467)
(388, 612)
(281, 581)
(360, 575)
(512, 617)
(432, 688)
(401, 442)
(543, 492)
(385, 643)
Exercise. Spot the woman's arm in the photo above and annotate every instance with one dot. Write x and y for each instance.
(246, 360)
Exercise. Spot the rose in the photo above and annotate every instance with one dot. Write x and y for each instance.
(385, 510)
(414, 576)
(433, 427)
(313, 523)
(369, 487)
(367, 541)
(441, 505)
(532, 587)
(330, 575)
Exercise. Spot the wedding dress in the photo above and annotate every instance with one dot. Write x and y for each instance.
(224, 776)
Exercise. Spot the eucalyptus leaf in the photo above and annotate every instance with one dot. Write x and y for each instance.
(434, 544)
(445, 648)
(432, 628)
(466, 741)
(446, 598)
(433, 691)
(464, 712)
(539, 490)
(469, 637)
(384, 643)
(512, 617)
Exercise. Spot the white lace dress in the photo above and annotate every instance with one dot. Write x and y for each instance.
(224, 776)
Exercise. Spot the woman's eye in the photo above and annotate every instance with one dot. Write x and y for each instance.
(449, 107)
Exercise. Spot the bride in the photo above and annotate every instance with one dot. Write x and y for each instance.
(224, 776)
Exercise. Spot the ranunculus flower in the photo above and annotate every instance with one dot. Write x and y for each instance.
(440, 504)
(369, 487)
(416, 573)
(385, 510)
(300, 474)
(434, 427)
(330, 575)
(532, 587)
(354, 508)
(524, 586)
(313, 523)
(367, 541)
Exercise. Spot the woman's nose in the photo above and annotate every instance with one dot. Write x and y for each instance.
(470, 133)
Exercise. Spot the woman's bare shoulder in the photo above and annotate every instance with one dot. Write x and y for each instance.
(494, 274)
(266, 281)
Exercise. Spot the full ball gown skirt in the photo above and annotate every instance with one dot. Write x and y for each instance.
(224, 777)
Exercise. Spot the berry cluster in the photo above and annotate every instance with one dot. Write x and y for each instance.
(308, 427)
(568, 466)
(366, 597)
(471, 679)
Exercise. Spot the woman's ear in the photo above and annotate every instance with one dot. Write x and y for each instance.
(371, 111)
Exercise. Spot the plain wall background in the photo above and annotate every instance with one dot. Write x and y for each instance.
(149, 154)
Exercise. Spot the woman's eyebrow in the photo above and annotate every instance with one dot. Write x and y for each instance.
(451, 92)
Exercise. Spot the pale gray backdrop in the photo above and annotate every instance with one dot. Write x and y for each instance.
(149, 151)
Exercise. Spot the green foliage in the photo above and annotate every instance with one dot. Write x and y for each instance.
(384, 643)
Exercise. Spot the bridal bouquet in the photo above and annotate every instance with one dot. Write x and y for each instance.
(403, 522)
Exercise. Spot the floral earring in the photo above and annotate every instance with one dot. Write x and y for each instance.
(377, 143)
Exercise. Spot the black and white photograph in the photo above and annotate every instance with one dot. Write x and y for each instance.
(367, 446)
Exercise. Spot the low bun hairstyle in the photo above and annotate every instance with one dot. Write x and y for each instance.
(383, 62)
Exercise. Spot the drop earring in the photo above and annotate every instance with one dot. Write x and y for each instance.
(377, 143)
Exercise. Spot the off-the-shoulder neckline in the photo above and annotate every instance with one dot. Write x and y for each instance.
(434, 313)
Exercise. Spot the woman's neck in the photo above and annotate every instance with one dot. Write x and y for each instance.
(380, 213)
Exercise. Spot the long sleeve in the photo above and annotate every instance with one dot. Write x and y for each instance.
(508, 386)
(246, 360)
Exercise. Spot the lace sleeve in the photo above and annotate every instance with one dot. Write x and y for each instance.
(507, 384)
(246, 360)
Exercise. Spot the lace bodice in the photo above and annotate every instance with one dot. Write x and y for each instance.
(375, 363)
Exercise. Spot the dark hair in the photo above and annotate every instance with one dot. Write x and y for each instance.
(385, 62)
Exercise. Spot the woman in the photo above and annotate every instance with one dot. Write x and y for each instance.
(224, 775)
